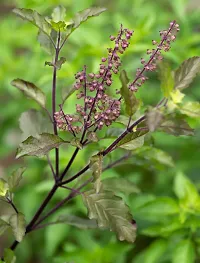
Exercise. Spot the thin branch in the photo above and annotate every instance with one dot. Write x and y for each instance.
(51, 167)
(12, 204)
(54, 101)
(61, 203)
(118, 161)
(107, 150)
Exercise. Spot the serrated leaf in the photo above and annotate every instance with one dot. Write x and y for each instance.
(130, 100)
(191, 109)
(18, 225)
(39, 146)
(96, 167)
(9, 256)
(131, 144)
(30, 90)
(15, 178)
(77, 221)
(167, 78)
(184, 252)
(122, 185)
(3, 226)
(58, 13)
(110, 212)
(185, 74)
(154, 118)
(176, 127)
(177, 96)
(33, 123)
(84, 15)
(3, 187)
(35, 18)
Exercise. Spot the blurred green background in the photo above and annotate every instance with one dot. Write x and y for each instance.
(22, 57)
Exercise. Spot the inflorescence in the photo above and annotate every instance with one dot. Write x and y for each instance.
(98, 108)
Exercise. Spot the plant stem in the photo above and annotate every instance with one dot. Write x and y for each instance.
(12, 204)
(107, 150)
(54, 101)
(123, 158)
(61, 203)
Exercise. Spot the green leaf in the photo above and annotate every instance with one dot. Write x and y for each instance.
(84, 15)
(186, 191)
(184, 252)
(155, 250)
(117, 185)
(68, 94)
(177, 96)
(18, 225)
(58, 65)
(35, 18)
(76, 142)
(9, 256)
(110, 212)
(176, 127)
(130, 100)
(60, 62)
(59, 13)
(3, 187)
(15, 178)
(131, 144)
(96, 167)
(39, 146)
(191, 109)
(159, 208)
(46, 42)
(185, 74)
(30, 90)
(77, 221)
(59, 26)
(167, 78)
(3, 226)
(164, 230)
(154, 155)
(33, 123)
(154, 118)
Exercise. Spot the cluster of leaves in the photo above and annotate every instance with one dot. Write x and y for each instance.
(103, 201)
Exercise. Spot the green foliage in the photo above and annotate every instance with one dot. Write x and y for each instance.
(166, 78)
(185, 74)
(39, 146)
(15, 178)
(110, 212)
(168, 224)
(18, 225)
(129, 98)
(30, 90)
(9, 256)
(184, 252)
